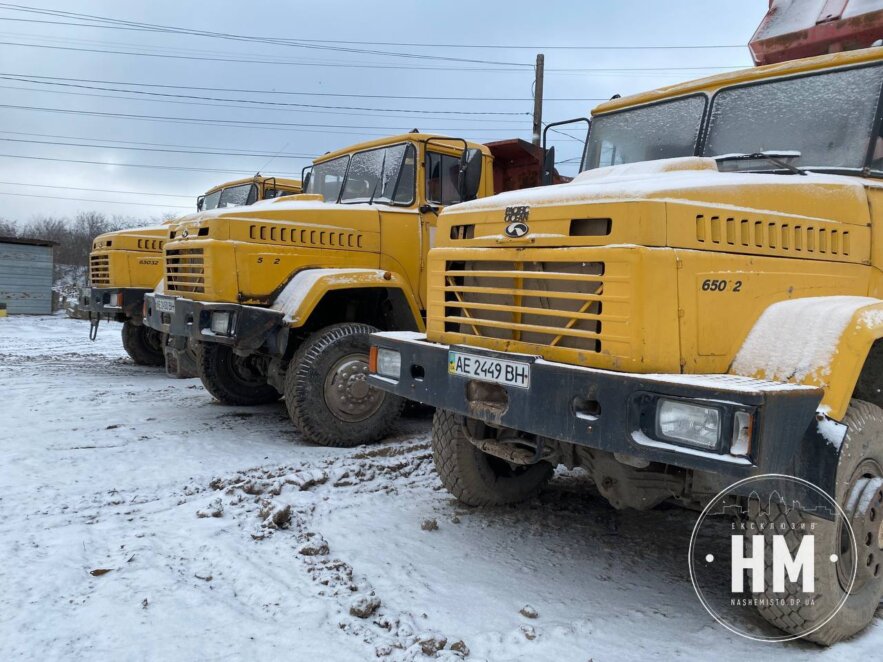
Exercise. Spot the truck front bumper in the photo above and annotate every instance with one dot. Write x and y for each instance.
(617, 412)
(119, 303)
(245, 328)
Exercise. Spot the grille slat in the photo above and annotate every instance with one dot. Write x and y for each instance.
(547, 303)
(185, 270)
(99, 270)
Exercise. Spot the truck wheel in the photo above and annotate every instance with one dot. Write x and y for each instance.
(232, 379)
(143, 344)
(476, 478)
(860, 494)
(327, 393)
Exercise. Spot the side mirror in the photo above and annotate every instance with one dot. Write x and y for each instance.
(470, 174)
(200, 203)
(549, 174)
(548, 166)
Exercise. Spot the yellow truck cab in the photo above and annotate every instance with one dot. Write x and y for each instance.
(702, 304)
(280, 297)
(126, 264)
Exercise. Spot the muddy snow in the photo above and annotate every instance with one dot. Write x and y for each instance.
(141, 520)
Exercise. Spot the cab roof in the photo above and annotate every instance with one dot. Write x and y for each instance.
(392, 140)
(711, 84)
(294, 183)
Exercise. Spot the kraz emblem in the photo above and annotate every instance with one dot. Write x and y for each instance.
(516, 221)
(185, 234)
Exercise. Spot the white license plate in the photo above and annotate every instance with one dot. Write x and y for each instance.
(165, 304)
(499, 371)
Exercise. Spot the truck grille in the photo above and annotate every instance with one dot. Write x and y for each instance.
(545, 303)
(185, 270)
(99, 270)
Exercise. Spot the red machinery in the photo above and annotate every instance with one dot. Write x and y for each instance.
(794, 29)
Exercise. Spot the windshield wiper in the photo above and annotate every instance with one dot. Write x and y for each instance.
(777, 158)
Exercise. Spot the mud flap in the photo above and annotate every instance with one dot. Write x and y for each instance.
(180, 362)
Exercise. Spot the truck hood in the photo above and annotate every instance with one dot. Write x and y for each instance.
(691, 180)
(299, 214)
(131, 239)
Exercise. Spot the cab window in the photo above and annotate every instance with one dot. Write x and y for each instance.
(442, 175)
(236, 196)
(384, 175)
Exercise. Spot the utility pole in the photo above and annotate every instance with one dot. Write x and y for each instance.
(538, 102)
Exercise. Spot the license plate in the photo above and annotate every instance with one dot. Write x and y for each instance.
(165, 304)
(499, 371)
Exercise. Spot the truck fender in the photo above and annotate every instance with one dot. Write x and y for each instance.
(299, 298)
(818, 341)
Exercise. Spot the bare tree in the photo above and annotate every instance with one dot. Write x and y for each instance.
(8, 228)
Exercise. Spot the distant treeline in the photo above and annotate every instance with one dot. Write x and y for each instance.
(73, 236)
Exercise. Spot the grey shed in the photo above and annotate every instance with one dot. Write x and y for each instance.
(26, 275)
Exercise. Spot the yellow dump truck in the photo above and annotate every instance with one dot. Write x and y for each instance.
(280, 297)
(125, 265)
(702, 304)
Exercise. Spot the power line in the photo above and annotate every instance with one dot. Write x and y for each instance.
(310, 94)
(109, 202)
(25, 79)
(219, 122)
(154, 149)
(409, 118)
(153, 27)
(368, 66)
(97, 190)
(137, 165)
(255, 61)
(545, 47)
(234, 152)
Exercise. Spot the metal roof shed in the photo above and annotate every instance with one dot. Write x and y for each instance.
(26, 275)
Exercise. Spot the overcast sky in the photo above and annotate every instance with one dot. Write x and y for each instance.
(70, 56)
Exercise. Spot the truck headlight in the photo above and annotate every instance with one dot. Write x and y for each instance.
(688, 423)
(221, 323)
(389, 363)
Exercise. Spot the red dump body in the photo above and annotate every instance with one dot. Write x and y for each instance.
(518, 164)
(794, 29)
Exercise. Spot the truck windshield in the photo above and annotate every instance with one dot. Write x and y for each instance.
(659, 131)
(326, 178)
(232, 196)
(828, 119)
(381, 175)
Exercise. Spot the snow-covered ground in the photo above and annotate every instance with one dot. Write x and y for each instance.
(140, 520)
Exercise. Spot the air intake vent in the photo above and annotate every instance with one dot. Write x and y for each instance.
(788, 238)
(590, 227)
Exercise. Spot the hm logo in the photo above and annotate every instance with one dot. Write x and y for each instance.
(801, 564)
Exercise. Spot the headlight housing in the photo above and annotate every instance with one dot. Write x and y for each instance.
(389, 363)
(688, 423)
(220, 323)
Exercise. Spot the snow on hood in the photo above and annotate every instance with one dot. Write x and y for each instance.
(692, 180)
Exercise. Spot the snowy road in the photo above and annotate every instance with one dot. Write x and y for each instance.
(223, 536)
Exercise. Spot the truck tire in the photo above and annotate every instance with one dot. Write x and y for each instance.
(232, 379)
(327, 394)
(476, 478)
(143, 344)
(859, 490)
